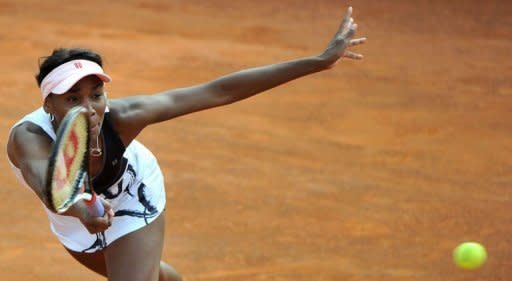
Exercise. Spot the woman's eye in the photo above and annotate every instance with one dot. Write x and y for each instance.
(72, 99)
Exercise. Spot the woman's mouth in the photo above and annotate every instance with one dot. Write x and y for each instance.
(94, 129)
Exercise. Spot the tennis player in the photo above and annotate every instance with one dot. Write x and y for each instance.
(126, 243)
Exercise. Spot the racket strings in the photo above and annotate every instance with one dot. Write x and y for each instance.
(69, 168)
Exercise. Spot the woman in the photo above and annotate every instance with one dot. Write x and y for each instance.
(126, 243)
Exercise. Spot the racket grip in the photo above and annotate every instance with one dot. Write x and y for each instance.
(95, 207)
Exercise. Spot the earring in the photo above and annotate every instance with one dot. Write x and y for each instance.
(96, 151)
(52, 117)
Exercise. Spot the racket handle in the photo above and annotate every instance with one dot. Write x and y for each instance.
(95, 207)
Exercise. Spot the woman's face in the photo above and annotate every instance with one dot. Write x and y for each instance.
(88, 93)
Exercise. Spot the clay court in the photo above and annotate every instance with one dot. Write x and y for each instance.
(374, 170)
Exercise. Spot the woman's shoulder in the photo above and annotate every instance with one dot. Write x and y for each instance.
(119, 110)
(35, 123)
(124, 117)
(26, 132)
(120, 105)
(26, 136)
(28, 127)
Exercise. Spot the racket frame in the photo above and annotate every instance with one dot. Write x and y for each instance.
(82, 177)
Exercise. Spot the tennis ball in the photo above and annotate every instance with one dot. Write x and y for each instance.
(469, 255)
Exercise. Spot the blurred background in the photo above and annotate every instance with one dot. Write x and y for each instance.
(374, 170)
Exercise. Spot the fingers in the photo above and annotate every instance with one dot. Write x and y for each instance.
(346, 20)
(99, 224)
(109, 213)
(348, 27)
(351, 31)
(352, 55)
(110, 216)
(105, 203)
(343, 39)
(358, 41)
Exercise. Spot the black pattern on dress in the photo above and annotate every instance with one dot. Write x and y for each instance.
(123, 185)
(149, 211)
(126, 184)
(99, 244)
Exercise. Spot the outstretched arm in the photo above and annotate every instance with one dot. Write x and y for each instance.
(137, 112)
(29, 148)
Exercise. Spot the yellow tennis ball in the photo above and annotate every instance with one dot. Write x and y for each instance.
(469, 255)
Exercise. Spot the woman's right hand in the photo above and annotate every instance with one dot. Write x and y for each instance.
(92, 223)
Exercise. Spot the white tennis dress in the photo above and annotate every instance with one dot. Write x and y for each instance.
(137, 197)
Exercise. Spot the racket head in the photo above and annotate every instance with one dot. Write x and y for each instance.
(68, 162)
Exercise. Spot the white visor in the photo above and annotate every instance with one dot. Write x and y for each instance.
(63, 77)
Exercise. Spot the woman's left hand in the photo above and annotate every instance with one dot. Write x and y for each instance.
(341, 40)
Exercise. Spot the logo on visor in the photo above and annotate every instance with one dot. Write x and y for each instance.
(78, 65)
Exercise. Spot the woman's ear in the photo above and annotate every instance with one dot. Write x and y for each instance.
(47, 105)
(107, 102)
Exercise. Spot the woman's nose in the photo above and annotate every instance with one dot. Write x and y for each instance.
(88, 106)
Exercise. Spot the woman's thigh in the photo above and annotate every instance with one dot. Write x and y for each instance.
(136, 256)
(93, 261)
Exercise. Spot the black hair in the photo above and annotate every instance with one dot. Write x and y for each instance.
(63, 55)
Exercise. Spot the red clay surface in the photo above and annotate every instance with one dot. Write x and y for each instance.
(374, 170)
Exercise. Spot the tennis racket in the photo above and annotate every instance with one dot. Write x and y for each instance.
(67, 178)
